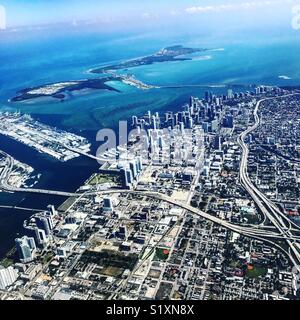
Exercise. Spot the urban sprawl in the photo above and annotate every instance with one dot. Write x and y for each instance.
(200, 204)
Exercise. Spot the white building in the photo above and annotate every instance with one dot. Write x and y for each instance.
(7, 277)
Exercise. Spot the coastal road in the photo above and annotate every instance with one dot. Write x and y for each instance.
(21, 208)
(7, 170)
(257, 232)
(244, 230)
(282, 224)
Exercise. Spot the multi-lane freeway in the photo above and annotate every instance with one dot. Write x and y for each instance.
(282, 223)
(283, 228)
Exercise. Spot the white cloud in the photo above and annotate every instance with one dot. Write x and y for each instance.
(235, 6)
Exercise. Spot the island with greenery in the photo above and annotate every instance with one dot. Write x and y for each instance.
(173, 53)
(61, 90)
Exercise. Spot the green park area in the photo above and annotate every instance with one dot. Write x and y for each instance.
(161, 254)
(256, 272)
(98, 179)
(6, 262)
(9, 258)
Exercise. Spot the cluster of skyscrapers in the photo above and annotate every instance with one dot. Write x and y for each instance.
(207, 113)
(130, 171)
(38, 234)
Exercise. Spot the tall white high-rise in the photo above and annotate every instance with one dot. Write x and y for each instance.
(26, 248)
(7, 277)
(230, 94)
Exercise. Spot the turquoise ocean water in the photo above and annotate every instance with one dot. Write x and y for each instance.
(40, 58)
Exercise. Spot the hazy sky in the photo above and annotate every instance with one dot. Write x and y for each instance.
(235, 13)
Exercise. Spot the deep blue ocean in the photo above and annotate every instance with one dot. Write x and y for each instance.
(38, 58)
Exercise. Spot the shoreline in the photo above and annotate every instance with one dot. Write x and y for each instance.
(61, 90)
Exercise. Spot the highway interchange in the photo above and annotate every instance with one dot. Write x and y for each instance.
(285, 230)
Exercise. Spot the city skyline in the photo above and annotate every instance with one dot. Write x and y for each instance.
(149, 152)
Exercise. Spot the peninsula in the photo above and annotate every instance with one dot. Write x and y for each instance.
(61, 90)
(173, 53)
